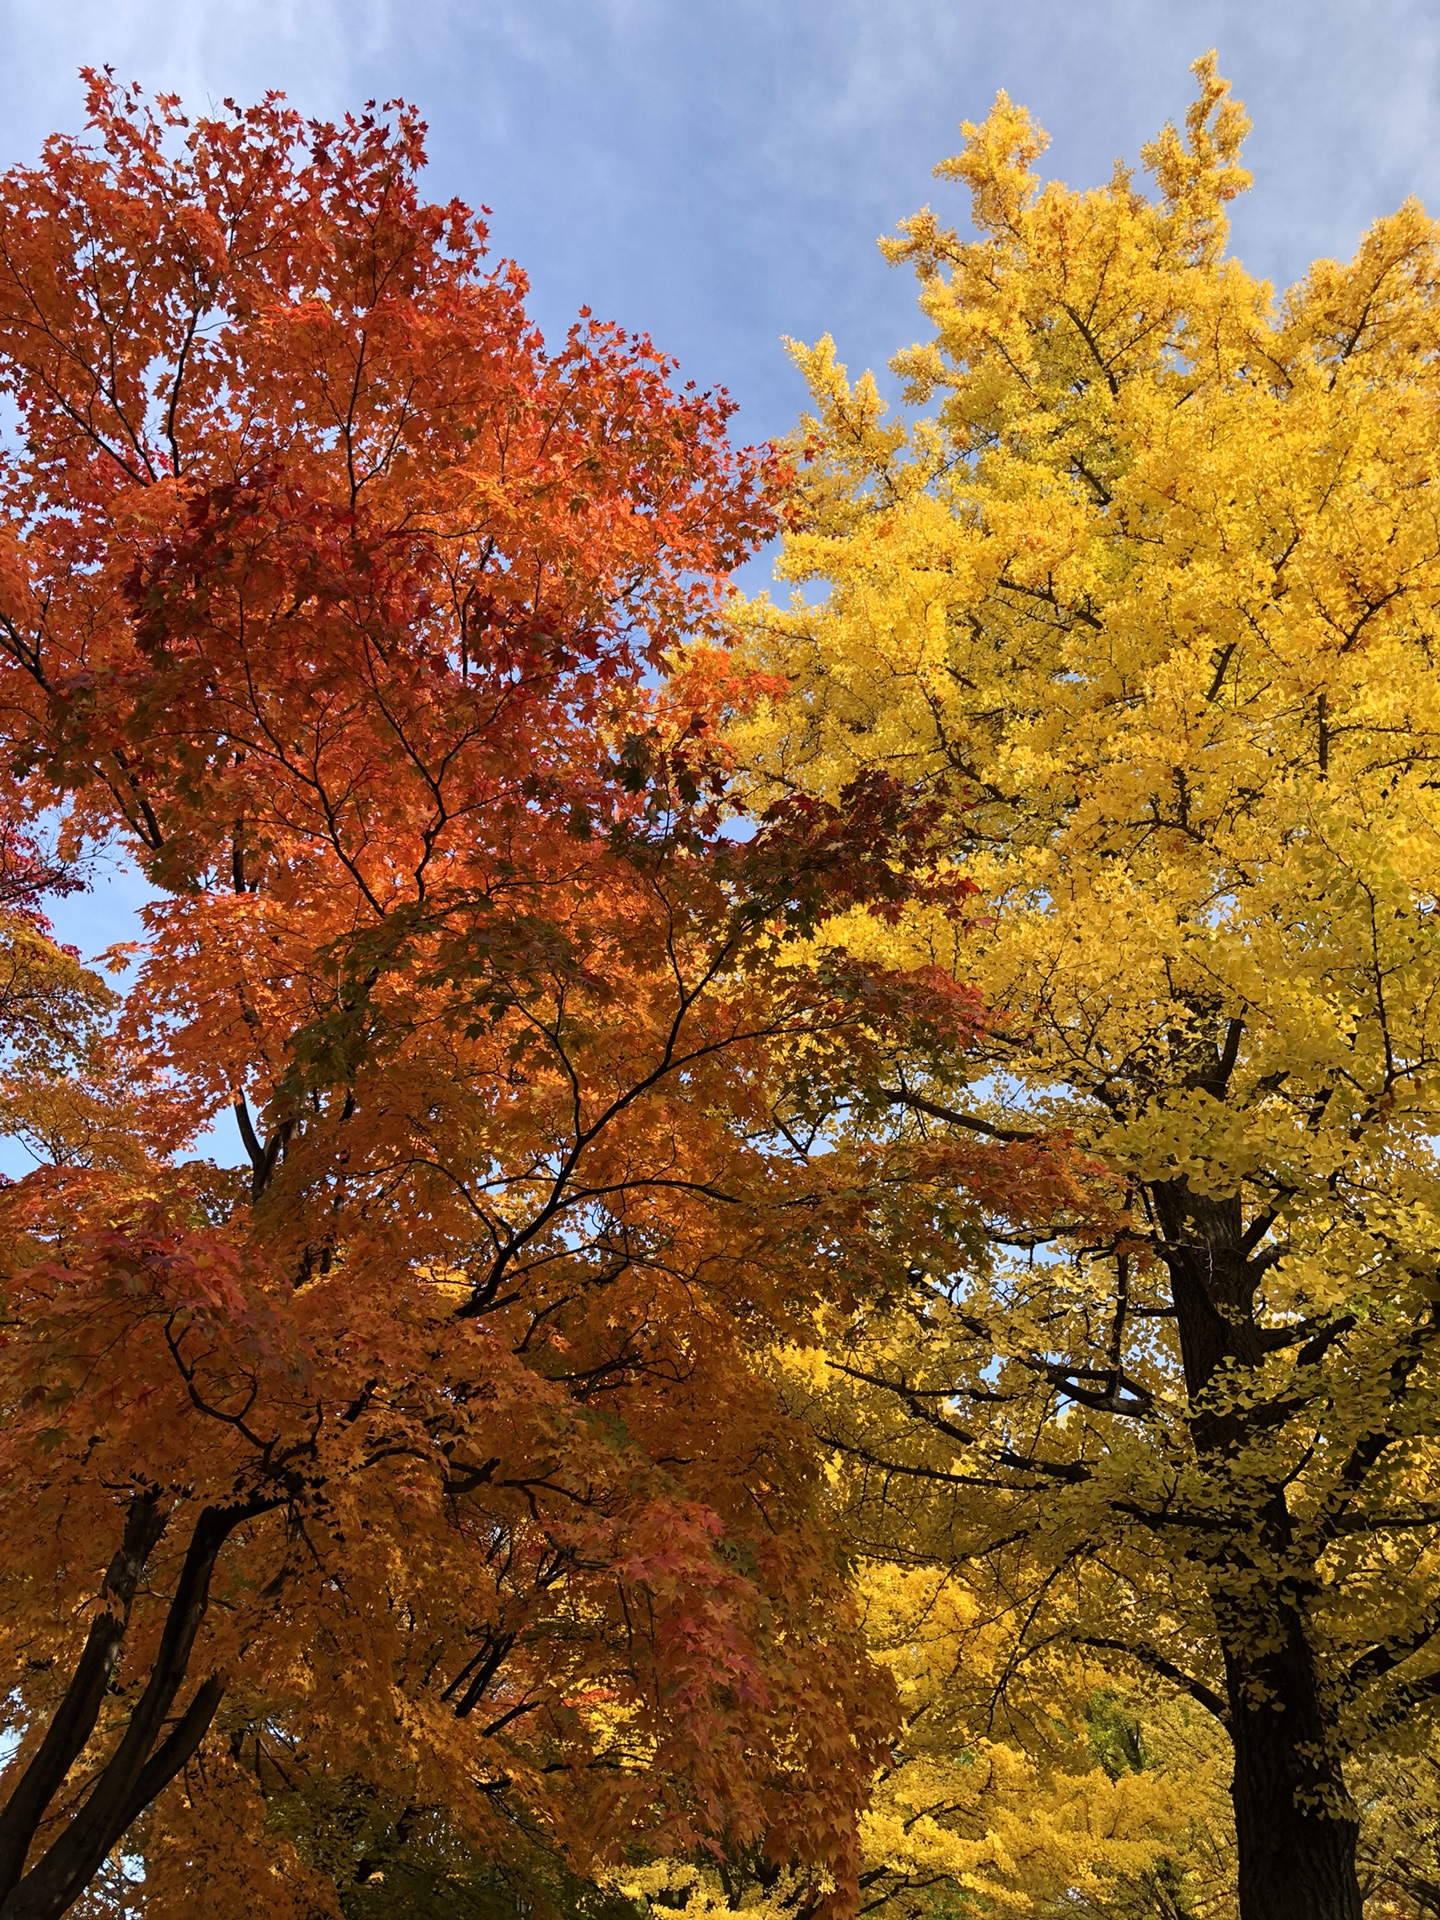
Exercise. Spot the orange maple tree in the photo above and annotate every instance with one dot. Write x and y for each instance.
(433, 1451)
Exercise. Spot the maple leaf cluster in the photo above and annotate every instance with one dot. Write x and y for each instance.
(432, 1462)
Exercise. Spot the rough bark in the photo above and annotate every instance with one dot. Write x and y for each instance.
(1295, 1826)
(1296, 1846)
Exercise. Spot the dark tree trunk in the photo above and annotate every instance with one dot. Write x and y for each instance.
(1295, 1825)
(153, 1747)
(1296, 1837)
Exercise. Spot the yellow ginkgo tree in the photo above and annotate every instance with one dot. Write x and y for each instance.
(1144, 586)
(1108, 1804)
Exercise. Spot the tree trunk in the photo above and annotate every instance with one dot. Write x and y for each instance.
(1296, 1836)
(1294, 1821)
(147, 1757)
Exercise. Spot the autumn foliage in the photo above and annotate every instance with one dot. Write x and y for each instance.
(830, 1300)
(430, 1459)
(1147, 591)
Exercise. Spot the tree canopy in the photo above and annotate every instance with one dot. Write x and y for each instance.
(1147, 596)
(430, 1457)
(833, 1297)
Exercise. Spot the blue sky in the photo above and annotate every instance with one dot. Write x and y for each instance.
(717, 171)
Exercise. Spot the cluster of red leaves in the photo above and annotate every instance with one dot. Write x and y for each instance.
(306, 504)
(333, 592)
(874, 848)
(418, 1529)
(28, 874)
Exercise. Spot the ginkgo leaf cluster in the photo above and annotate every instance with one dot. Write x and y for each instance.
(1146, 595)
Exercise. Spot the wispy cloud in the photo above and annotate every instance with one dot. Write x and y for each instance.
(718, 170)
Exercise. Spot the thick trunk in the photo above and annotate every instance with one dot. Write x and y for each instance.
(75, 1717)
(1296, 1837)
(1295, 1825)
